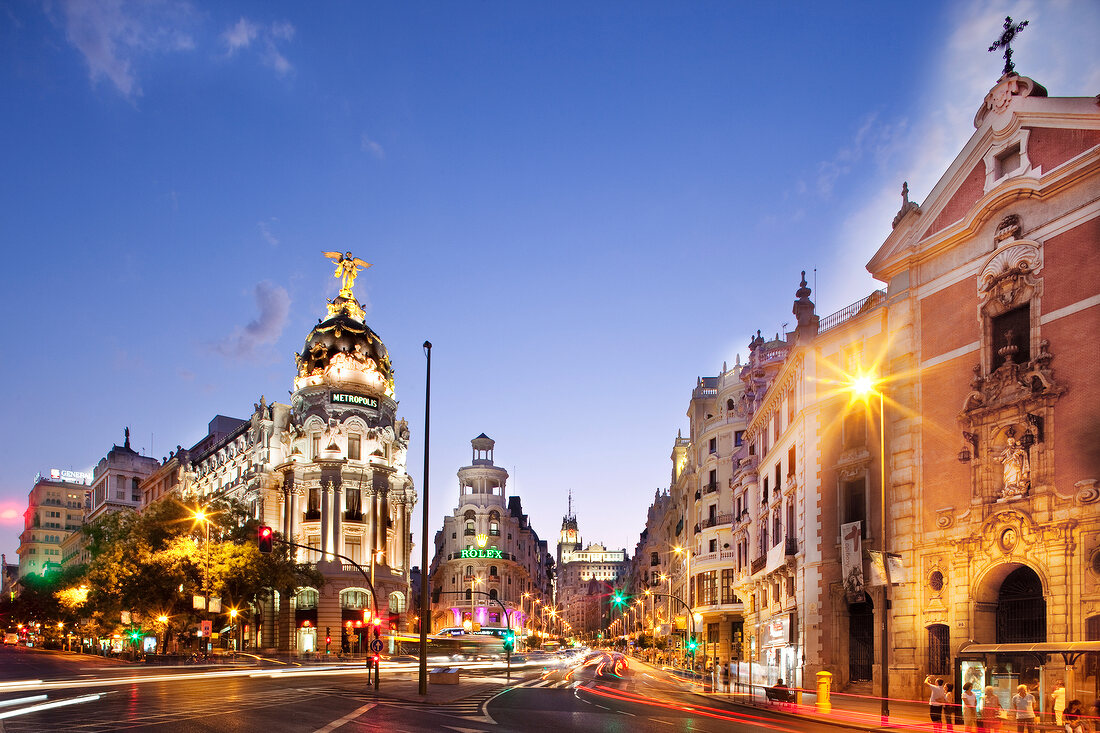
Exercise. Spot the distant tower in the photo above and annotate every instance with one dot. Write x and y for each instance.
(569, 540)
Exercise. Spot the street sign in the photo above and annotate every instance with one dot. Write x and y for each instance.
(207, 628)
(376, 645)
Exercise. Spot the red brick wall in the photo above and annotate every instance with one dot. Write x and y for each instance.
(946, 482)
(949, 319)
(1047, 148)
(1071, 267)
(1076, 429)
(970, 191)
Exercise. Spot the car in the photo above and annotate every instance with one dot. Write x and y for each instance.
(11, 639)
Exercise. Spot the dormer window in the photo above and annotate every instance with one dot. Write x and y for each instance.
(1008, 161)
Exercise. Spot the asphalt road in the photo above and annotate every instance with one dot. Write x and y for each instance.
(101, 695)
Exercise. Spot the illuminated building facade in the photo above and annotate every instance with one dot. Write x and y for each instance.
(981, 347)
(487, 545)
(578, 566)
(993, 309)
(328, 473)
(55, 511)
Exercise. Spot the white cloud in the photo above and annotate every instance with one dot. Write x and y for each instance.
(241, 35)
(266, 37)
(112, 34)
(273, 302)
(370, 146)
(1056, 49)
(266, 233)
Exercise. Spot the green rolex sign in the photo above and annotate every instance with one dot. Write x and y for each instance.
(489, 554)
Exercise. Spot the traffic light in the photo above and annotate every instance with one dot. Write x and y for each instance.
(377, 628)
(264, 538)
(328, 636)
(618, 599)
(692, 644)
(509, 641)
(135, 634)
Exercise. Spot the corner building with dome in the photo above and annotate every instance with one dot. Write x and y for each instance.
(327, 472)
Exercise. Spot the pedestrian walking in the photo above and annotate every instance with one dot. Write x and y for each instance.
(969, 708)
(952, 714)
(1059, 699)
(726, 677)
(991, 710)
(937, 699)
(1023, 709)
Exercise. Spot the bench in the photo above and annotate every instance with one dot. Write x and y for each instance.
(778, 694)
(444, 676)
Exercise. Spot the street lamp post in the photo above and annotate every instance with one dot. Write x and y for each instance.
(425, 600)
(864, 386)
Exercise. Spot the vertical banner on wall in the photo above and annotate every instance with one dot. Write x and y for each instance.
(851, 559)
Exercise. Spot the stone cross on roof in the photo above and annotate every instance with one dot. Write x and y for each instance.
(1005, 42)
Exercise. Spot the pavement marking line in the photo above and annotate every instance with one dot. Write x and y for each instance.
(49, 705)
(346, 719)
(23, 700)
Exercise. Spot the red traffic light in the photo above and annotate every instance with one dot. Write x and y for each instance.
(264, 538)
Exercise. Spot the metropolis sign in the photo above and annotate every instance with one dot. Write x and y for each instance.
(491, 553)
(343, 398)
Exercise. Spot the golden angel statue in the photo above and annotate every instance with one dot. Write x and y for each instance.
(347, 268)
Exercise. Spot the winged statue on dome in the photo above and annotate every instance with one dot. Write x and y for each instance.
(347, 269)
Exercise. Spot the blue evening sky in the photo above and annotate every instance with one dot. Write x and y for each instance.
(584, 206)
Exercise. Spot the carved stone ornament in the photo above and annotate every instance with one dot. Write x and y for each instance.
(1008, 540)
(853, 463)
(1087, 491)
(1012, 382)
(1011, 269)
(945, 518)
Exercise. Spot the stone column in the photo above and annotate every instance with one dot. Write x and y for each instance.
(326, 520)
(367, 504)
(379, 522)
(292, 523)
(337, 519)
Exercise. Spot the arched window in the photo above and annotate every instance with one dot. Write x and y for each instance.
(470, 515)
(397, 602)
(469, 594)
(469, 571)
(492, 571)
(494, 516)
(306, 599)
(1021, 609)
(493, 594)
(355, 599)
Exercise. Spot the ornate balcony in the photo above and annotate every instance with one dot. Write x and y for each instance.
(758, 564)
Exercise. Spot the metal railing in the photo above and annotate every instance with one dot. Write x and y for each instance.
(847, 313)
(710, 488)
(758, 564)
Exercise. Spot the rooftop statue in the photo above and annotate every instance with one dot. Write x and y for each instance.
(347, 269)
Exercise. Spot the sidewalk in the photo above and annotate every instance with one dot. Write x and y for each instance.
(855, 711)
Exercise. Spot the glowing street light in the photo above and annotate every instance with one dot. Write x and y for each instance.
(865, 386)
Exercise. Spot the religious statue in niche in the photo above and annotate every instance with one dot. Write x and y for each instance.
(1017, 471)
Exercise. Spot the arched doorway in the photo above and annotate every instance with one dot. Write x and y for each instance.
(861, 641)
(1021, 608)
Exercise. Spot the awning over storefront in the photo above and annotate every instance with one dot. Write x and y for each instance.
(1071, 651)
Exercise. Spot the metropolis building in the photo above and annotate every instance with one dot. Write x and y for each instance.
(327, 472)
